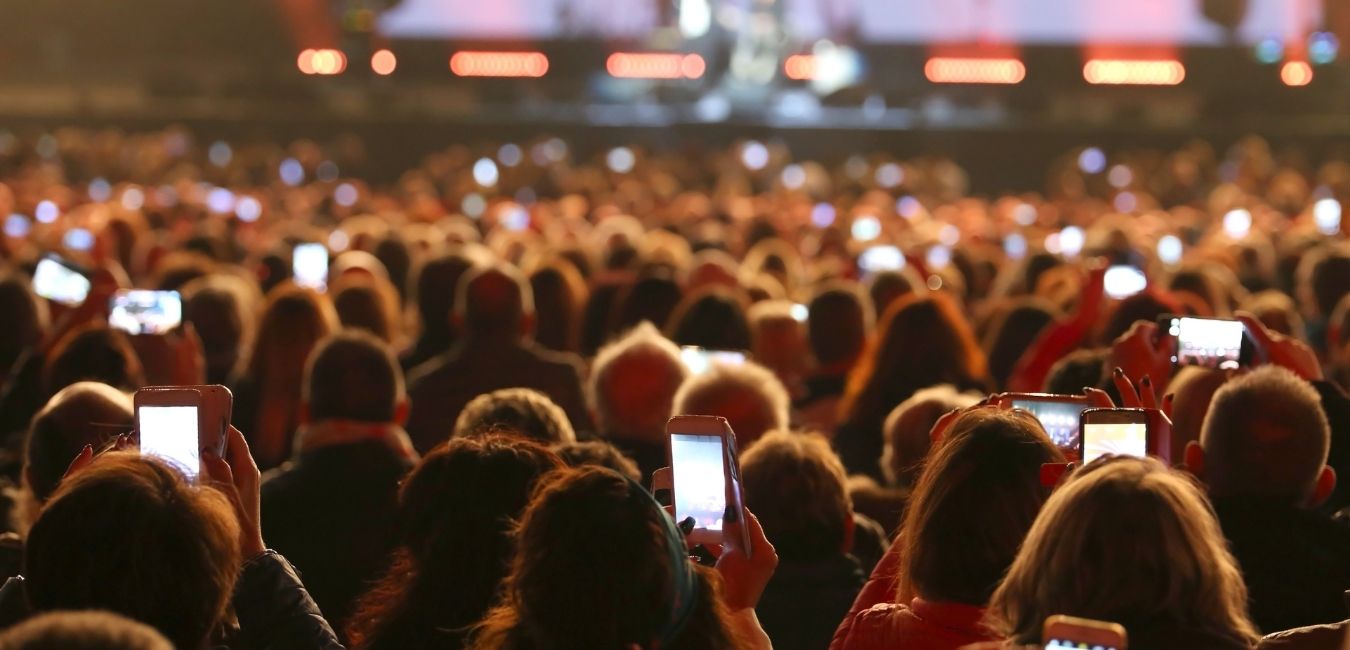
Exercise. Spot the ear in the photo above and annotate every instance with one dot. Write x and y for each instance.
(401, 410)
(1326, 484)
(303, 414)
(849, 527)
(1195, 459)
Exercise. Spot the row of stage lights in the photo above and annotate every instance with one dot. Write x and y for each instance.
(799, 67)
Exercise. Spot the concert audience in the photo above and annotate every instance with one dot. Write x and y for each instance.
(632, 393)
(748, 395)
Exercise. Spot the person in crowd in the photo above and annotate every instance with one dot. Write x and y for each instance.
(26, 319)
(330, 509)
(368, 302)
(1011, 332)
(495, 311)
(527, 412)
(1262, 453)
(598, 453)
(1192, 389)
(778, 342)
(82, 630)
(559, 296)
(837, 325)
(1323, 280)
(93, 352)
(796, 484)
(973, 505)
(267, 394)
(922, 341)
(217, 313)
(712, 318)
(650, 299)
(1077, 370)
(454, 521)
(592, 527)
(886, 287)
(632, 393)
(1129, 541)
(750, 397)
(435, 293)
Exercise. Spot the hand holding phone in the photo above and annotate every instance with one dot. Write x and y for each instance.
(1059, 415)
(179, 424)
(1207, 342)
(706, 481)
(1068, 632)
(1124, 280)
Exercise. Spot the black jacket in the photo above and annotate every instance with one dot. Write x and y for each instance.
(804, 601)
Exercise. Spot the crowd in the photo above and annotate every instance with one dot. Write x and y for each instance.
(449, 440)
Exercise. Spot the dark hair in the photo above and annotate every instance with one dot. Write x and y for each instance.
(437, 286)
(837, 326)
(1012, 333)
(1329, 280)
(1146, 306)
(393, 253)
(129, 534)
(1077, 370)
(84, 413)
(24, 319)
(85, 630)
(215, 314)
(652, 299)
(370, 303)
(598, 453)
(712, 318)
(559, 293)
(527, 412)
(493, 301)
(456, 530)
(353, 376)
(93, 352)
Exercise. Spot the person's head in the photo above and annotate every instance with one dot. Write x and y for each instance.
(1325, 280)
(600, 565)
(839, 319)
(712, 318)
(795, 484)
(907, 428)
(978, 495)
(559, 294)
(83, 413)
(1012, 333)
(494, 302)
(1077, 370)
(598, 453)
(437, 287)
(354, 376)
(778, 340)
(25, 318)
(887, 287)
(82, 630)
(1130, 541)
(1145, 306)
(130, 535)
(921, 341)
(456, 530)
(633, 384)
(294, 320)
(368, 302)
(750, 397)
(1192, 390)
(652, 298)
(522, 410)
(1265, 435)
(93, 352)
(221, 321)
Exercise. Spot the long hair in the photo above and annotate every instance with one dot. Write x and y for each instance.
(922, 341)
(974, 502)
(1130, 541)
(593, 570)
(456, 515)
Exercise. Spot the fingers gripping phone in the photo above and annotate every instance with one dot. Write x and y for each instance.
(1065, 632)
(1119, 432)
(1208, 342)
(1059, 415)
(146, 312)
(178, 423)
(706, 481)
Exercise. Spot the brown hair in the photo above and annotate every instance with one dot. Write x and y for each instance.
(129, 534)
(973, 504)
(367, 302)
(1130, 541)
(796, 485)
(88, 630)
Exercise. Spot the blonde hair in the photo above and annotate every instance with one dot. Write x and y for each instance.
(1130, 541)
(643, 347)
(795, 483)
(749, 395)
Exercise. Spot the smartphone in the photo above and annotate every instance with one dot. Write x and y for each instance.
(1208, 342)
(60, 281)
(705, 475)
(138, 311)
(168, 425)
(700, 360)
(213, 409)
(1059, 415)
(1119, 432)
(881, 258)
(1065, 632)
(1124, 280)
(309, 266)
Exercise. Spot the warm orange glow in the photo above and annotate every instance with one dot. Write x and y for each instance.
(1296, 73)
(954, 70)
(655, 65)
(322, 62)
(306, 61)
(499, 64)
(1134, 72)
(383, 62)
(801, 67)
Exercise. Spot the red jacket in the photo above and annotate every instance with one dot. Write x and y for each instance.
(921, 625)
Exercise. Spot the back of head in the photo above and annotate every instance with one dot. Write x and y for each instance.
(749, 396)
(838, 324)
(84, 630)
(218, 317)
(1192, 389)
(352, 375)
(633, 384)
(559, 293)
(1145, 306)
(130, 535)
(1130, 541)
(437, 286)
(977, 497)
(494, 302)
(1329, 281)
(907, 430)
(83, 413)
(522, 410)
(713, 318)
(1077, 370)
(25, 318)
(886, 287)
(369, 303)
(651, 299)
(294, 320)
(598, 453)
(1012, 334)
(795, 484)
(94, 352)
(1265, 435)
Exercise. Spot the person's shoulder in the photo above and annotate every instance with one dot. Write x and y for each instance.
(554, 358)
(1307, 638)
(431, 369)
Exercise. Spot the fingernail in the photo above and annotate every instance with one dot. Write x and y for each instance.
(1145, 381)
(1118, 372)
(88, 449)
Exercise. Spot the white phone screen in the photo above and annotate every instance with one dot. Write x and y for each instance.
(170, 433)
(700, 486)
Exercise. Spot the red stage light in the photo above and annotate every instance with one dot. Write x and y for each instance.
(322, 62)
(499, 64)
(383, 62)
(800, 67)
(655, 65)
(1296, 73)
(1115, 72)
(954, 70)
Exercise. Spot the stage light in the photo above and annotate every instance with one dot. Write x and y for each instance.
(793, 177)
(823, 215)
(473, 206)
(1015, 246)
(1323, 47)
(485, 172)
(322, 62)
(383, 62)
(889, 175)
(1071, 240)
(1092, 160)
(1118, 72)
(908, 207)
(1170, 249)
(1296, 73)
(1024, 214)
(950, 70)
(220, 201)
(1237, 223)
(655, 65)
(248, 209)
(800, 67)
(99, 190)
(46, 212)
(17, 225)
(1120, 176)
(499, 64)
(305, 61)
(345, 195)
(291, 172)
(1269, 50)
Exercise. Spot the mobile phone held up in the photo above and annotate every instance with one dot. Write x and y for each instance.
(145, 312)
(309, 266)
(1207, 342)
(177, 423)
(1124, 280)
(1116, 432)
(700, 360)
(60, 281)
(706, 479)
(1068, 632)
(1059, 415)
